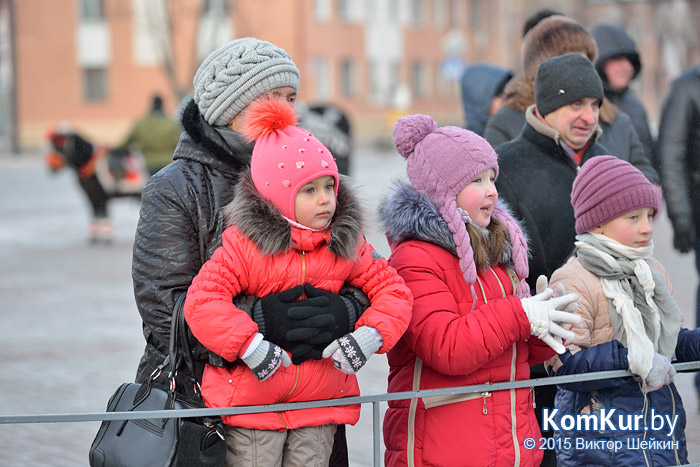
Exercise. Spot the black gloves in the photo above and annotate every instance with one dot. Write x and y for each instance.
(306, 327)
(684, 236)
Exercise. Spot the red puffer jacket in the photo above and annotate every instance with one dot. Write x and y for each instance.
(450, 342)
(326, 260)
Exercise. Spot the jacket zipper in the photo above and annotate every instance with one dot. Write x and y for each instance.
(513, 415)
(282, 399)
(303, 267)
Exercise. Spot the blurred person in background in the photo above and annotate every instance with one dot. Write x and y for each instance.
(332, 127)
(618, 64)
(156, 136)
(678, 152)
(482, 92)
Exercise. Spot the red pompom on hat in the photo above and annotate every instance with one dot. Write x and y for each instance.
(285, 157)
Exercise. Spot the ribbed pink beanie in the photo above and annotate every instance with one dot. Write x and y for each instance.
(441, 162)
(285, 157)
(607, 187)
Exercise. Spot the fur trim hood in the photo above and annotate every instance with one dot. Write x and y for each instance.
(407, 214)
(260, 221)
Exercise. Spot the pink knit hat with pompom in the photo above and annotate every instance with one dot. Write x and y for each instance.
(440, 163)
(285, 157)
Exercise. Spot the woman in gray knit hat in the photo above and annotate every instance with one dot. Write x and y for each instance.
(180, 222)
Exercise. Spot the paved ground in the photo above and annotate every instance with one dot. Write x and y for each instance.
(70, 332)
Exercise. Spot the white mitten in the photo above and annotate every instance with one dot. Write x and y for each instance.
(544, 314)
(661, 373)
(351, 352)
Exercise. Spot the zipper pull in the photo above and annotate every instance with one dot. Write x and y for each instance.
(532, 392)
(485, 395)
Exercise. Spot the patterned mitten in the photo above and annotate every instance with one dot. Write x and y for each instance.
(351, 352)
(263, 357)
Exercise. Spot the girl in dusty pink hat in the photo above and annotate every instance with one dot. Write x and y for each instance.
(294, 222)
(630, 321)
(465, 259)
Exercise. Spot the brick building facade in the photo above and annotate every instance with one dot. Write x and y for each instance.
(97, 63)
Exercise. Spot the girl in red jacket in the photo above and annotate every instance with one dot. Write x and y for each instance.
(292, 224)
(465, 260)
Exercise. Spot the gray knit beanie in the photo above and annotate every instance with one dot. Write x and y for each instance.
(564, 79)
(236, 74)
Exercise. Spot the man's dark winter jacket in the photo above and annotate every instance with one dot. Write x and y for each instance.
(679, 149)
(618, 133)
(180, 226)
(535, 179)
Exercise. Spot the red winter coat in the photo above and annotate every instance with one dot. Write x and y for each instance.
(326, 260)
(451, 343)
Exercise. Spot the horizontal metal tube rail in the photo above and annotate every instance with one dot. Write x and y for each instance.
(391, 396)
(374, 399)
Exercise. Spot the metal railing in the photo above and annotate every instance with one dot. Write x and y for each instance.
(374, 399)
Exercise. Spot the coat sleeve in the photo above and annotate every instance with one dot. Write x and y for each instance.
(688, 345)
(602, 357)
(672, 150)
(165, 257)
(496, 132)
(390, 300)
(639, 156)
(450, 337)
(209, 310)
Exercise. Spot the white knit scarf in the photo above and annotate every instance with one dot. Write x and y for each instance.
(645, 317)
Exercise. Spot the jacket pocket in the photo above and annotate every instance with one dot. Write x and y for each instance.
(437, 401)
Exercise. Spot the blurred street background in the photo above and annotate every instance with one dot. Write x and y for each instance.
(70, 333)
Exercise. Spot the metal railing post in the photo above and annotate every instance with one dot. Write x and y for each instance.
(376, 434)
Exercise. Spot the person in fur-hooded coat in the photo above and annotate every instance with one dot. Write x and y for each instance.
(468, 324)
(552, 37)
(266, 249)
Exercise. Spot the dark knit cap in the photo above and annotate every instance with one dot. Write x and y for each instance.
(607, 187)
(564, 79)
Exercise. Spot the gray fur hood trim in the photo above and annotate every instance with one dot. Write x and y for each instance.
(259, 220)
(407, 214)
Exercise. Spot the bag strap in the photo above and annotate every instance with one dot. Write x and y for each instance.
(178, 333)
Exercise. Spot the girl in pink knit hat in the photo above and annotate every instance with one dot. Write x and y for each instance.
(465, 260)
(294, 224)
(630, 321)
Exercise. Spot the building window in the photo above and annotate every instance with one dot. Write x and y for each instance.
(392, 11)
(344, 10)
(476, 13)
(418, 79)
(455, 14)
(417, 13)
(322, 79)
(322, 10)
(348, 81)
(91, 11)
(94, 84)
(439, 14)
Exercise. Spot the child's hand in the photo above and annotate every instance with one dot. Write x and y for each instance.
(264, 358)
(544, 314)
(661, 373)
(351, 352)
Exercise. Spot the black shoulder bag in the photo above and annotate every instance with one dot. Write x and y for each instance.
(167, 442)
